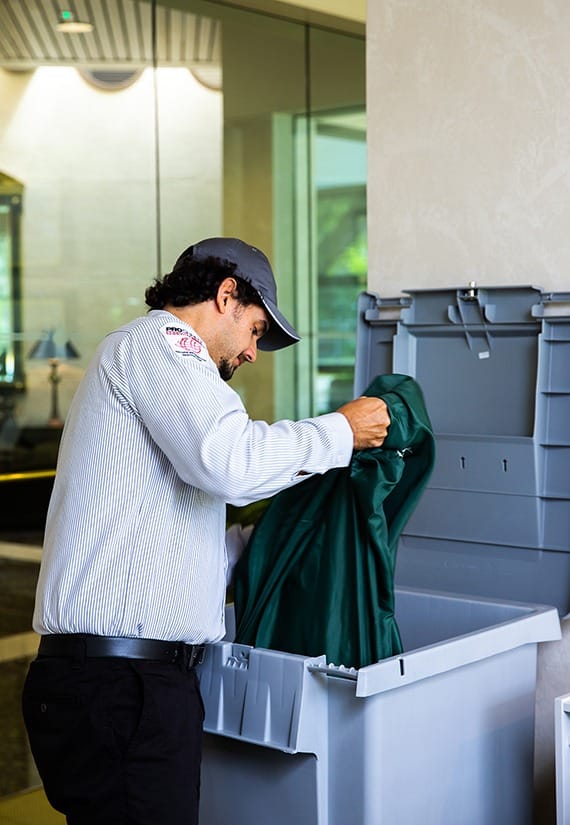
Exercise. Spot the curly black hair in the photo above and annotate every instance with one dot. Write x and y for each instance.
(195, 281)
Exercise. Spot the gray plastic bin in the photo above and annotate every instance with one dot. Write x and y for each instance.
(442, 734)
(494, 365)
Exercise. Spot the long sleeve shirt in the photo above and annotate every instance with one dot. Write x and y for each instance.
(154, 446)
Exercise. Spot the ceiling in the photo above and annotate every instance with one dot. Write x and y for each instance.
(121, 35)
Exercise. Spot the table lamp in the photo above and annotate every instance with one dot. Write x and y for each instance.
(47, 349)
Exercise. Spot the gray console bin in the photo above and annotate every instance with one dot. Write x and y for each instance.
(494, 365)
(443, 733)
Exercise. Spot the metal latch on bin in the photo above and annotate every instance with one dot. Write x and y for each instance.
(469, 313)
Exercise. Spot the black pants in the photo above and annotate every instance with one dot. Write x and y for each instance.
(116, 741)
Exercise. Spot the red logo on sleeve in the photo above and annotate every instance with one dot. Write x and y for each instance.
(183, 342)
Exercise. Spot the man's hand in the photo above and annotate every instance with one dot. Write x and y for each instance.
(369, 420)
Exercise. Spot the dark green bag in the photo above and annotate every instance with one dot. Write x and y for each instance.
(318, 574)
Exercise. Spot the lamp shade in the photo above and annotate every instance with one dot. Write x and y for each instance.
(46, 347)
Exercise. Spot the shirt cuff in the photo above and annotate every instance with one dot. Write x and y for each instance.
(341, 436)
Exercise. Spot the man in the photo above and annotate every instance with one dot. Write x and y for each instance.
(133, 574)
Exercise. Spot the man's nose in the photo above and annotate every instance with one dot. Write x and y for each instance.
(250, 354)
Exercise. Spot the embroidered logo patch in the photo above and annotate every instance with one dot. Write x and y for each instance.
(183, 342)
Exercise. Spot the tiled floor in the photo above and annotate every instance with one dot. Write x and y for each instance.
(28, 808)
(19, 565)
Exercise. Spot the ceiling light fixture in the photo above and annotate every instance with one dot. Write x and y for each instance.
(69, 25)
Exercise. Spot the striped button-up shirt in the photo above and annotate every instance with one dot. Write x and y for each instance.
(154, 446)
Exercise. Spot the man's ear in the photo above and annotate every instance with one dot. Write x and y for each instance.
(226, 291)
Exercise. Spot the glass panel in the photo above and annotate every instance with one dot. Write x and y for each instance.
(331, 240)
(85, 159)
(11, 366)
(340, 181)
(276, 187)
(260, 98)
(6, 328)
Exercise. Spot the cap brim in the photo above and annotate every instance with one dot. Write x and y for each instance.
(280, 333)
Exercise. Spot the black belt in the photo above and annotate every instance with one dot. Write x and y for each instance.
(80, 645)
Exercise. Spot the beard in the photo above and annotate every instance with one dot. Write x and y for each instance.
(225, 369)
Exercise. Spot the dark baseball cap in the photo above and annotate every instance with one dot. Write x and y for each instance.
(253, 267)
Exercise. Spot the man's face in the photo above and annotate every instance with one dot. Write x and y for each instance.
(245, 325)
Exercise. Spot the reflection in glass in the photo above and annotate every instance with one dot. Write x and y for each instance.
(47, 349)
(11, 367)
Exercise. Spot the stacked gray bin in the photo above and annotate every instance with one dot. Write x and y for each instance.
(494, 365)
(443, 733)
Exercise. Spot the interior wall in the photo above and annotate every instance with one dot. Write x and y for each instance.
(469, 143)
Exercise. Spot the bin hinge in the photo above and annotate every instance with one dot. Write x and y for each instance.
(337, 671)
(386, 310)
(469, 313)
(553, 305)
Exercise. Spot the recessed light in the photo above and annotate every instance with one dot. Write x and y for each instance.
(69, 25)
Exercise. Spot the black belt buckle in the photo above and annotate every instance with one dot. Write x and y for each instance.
(192, 655)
